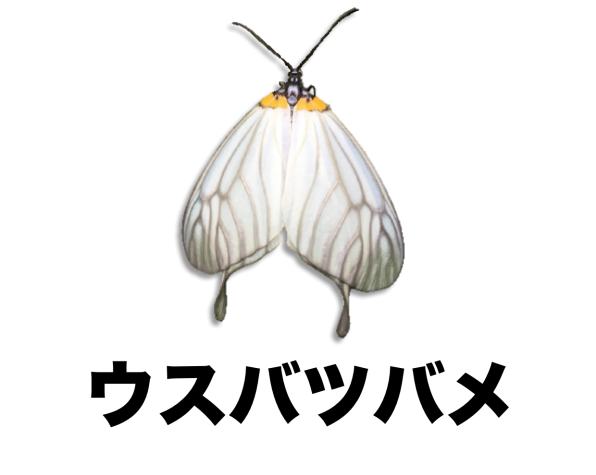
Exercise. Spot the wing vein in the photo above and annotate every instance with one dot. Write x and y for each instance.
(316, 223)
(254, 211)
(329, 131)
(312, 185)
(241, 239)
(344, 254)
(331, 241)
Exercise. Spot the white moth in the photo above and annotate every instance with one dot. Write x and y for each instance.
(291, 163)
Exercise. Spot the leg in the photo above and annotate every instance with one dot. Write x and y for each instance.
(343, 327)
(221, 302)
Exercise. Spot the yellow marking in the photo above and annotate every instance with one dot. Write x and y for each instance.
(315, 104)
(273, 102)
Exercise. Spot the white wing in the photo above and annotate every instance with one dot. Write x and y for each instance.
(338, 215)
(233, 217)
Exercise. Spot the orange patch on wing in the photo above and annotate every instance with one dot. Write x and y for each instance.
(273, 102)
(315, 104)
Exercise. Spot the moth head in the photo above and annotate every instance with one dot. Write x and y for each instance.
(295, 76)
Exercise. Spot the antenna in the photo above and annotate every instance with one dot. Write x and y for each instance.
(260, 40)
(288, 65)
(348, 13)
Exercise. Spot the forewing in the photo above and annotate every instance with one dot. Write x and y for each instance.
(338, 214)
(233, 217)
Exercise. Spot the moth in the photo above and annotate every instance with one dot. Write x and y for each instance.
(291, 163)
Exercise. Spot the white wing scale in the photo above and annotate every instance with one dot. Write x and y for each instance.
(233, 217)
(338, 215)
